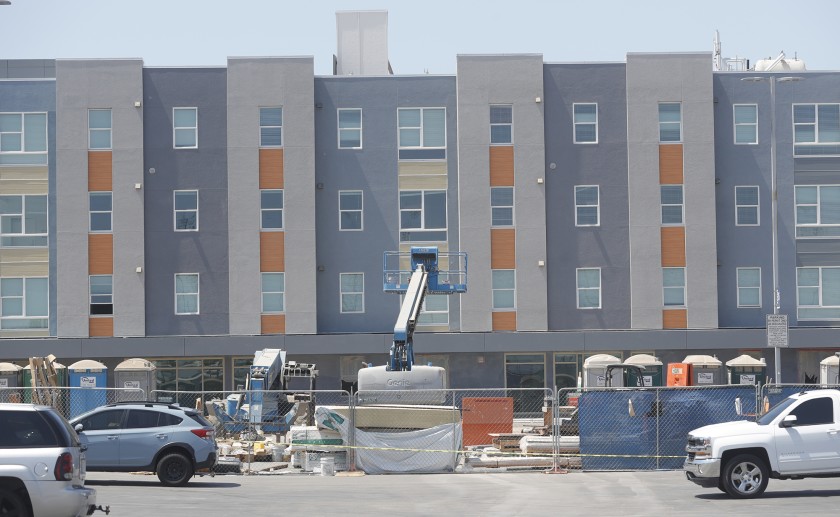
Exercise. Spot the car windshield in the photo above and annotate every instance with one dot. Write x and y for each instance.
(775, 410)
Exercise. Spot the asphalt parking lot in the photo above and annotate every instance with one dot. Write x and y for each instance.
(497, 493)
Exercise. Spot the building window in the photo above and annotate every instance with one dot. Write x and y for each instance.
(23, 138)
(501, 125)
(241, 370)
(101, 295)
(100, 205)
(434, 312)
(749, 286)
(670, 122)
(23, 221)
(352, 292)
(185, 128)
(816, 129)
(504, 289)
(188, 378)
(186, 210)
(422, 133)
(817, 210)
(589, 288)
(271, 127)
(745, 120)
(587, 205)
(746, 206)
(24, 303)
(525, 378)
(422, 215)
(673, 286)
(273, 292)
(501, 206)
(349, 129)
(671, 199)
(586, 123)
(818, 293)
(186, 293)
(99, 129)
(350, 210)
(271, 209)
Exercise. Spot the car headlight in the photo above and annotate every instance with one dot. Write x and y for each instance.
(699, 446)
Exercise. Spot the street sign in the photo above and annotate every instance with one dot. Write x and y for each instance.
(777, 331)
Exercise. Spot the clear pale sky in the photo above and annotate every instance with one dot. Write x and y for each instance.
(423, 35)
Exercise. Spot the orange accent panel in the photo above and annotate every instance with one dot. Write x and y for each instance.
(100, 171)
(486, 415)
(273, 323)
(503, 248)
(272, 246)
(671, 164)
(101, 327)
(100, 254)
(271, 168)
(673, 246)
(675, 319)
(501, 166)
(679, 374)
(504, 320)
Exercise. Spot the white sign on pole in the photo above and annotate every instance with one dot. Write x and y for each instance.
(777, 331)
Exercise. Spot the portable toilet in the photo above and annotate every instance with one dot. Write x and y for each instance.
(706, 370)
(10, 379)
(88, 383)
(679, 374)
(61, 382)
(747, 370)
(830, 371)
(595, 371)
(651, 370)
(133, 375)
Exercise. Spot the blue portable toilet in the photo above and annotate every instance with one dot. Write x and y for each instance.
(88, 380)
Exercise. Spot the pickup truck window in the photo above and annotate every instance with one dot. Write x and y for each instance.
(814, 412)
(775, 411)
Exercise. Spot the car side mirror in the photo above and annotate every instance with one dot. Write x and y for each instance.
(79, 428)
(789, 421)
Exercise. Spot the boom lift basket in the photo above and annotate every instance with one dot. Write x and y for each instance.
(447, 270)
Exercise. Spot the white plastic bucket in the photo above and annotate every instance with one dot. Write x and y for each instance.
(327, 466)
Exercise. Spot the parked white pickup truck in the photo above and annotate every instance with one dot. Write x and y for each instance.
(799, 437)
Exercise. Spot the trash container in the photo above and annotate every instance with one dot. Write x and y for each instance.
(11, 376)
(706, 370)
(135, 375)
(747, 370)
(595, 371)
(88, 383)
(651, 370)
(830, 371)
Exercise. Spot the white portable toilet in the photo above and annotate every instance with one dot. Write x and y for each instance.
(134, 375)
(595, 371)
(830, 371)
(706, 370)
(11, 378)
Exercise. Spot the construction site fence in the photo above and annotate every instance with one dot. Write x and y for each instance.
(71, 402)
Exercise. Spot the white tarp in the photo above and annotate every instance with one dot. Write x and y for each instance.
(419, 451)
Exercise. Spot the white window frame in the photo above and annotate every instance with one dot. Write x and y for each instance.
(109, 296)
(659, 119)
(282, 209)
(579, 206)
(575, 123)
(736, 124)
(360, 129)
(175, 128)
(109, 130)
(757, 205)
(816, 125)
(421, 128)
(43, 318)
(662, 205)
(176, 211)
(342, 293)
(197, 294)
(739, 287)
(280, 127)
(579, 289)
(665, 288)
(23, 231)
(494, 124)
(422, 229)
(511, 207)
(495, 289)
(360, 210)
(818, 206)
(425, 314)
(91, 211)
(820, 296)
(281, 294)
(23, 150)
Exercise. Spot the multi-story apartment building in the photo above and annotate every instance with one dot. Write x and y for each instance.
(191, 216)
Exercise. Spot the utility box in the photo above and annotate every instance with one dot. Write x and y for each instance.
(706, 370)
(88, 380)
(651, 371)
(135, 375)
(595, 372)
(830, 371)
(747, 370)
(11, 377)
(679, 374)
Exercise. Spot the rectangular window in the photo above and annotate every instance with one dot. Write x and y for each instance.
(817, 210)
(24, 303)
(501, 125)
(186, 293)
(586, 123)
(23, 221)
(271, 127)
(749, 286)
(23, 139)
(271, 209)
(352, 292)
(422, 133)
(422, 215)
(185, 128)
(589, 288)
(100, 206)
(504, 289)
(349, 129)
(816, 129)
(273, 293)
(525, 378)
(501, 206)
(186, 210)
(671, 199)
(745, 121)
(587, 205)
(188, 376)
(435, 310)
(746, 206)
(673, 286)
(99, 129)
(101, 295)
(818, 293)
(670, 122)
(350, 210)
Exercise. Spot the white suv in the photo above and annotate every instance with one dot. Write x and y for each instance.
(42, 464)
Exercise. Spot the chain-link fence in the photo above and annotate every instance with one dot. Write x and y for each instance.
(772, 394)
(70, 402)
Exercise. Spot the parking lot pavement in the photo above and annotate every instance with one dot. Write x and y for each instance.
(498, 493)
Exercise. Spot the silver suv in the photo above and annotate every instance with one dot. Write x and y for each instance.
(172, 441)
(42, 464)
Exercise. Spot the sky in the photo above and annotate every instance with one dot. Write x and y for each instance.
(423, 36)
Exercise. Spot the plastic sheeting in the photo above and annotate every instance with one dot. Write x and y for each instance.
(419, 451)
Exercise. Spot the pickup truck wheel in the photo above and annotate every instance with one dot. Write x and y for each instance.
(174, 470)
(12, 504)
(745, 476)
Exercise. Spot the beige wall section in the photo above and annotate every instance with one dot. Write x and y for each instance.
(24, 180)
(25, 262)
(422, 168)
(423, 182)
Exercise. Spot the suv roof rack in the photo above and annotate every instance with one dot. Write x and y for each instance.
(147, 403)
